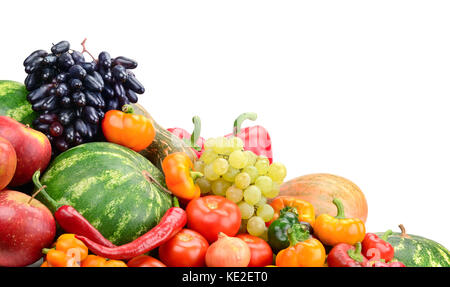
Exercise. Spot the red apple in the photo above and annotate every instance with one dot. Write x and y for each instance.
(8, 162)
(26, 226)
(33, 149)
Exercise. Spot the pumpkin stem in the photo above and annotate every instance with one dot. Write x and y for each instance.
(340, 208)
(402, 228)
(41, 189)
(238, 122)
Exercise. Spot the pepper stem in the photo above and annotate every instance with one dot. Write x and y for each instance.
(195, 175)
(238, 122)
(355, 253)
(175, 201)
(340, 208)
(288, 209)
(297, 234)
(41, 190)
(386, 235)
(196, 133)
(128, 109)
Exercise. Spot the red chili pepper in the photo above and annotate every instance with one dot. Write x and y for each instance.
(69, 218)
(376, 248)
(195, 141)
(256, 138)
(346, 255)
(171, 223)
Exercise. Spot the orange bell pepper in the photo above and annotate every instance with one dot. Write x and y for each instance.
(180, 178)
(115, 263)
(304, 209)
(127, 129)
(67, 252)
(334, 230)
(304, 250)
(98, 261)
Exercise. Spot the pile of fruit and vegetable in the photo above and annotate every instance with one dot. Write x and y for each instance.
(89, 179)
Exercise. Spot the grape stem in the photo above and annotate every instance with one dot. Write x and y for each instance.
(83, 44)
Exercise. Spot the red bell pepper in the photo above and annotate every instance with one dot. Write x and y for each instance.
(384, 264)
(255, 138)
(194, 140)
(375, 248)
(346, 255)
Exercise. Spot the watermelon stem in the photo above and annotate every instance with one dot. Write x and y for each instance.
(41, 189)
(238, 122)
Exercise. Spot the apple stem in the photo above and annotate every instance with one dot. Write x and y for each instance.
(36, 193)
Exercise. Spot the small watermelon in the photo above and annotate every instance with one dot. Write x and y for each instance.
(14, 104)
(110, 186)
(418, 251)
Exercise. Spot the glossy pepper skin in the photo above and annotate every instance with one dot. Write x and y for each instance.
(127, 129)
(180, 179)
(305, 210)
(172, 222)
(67, 252)
(304, 251)
(256, 138)
(376, 248)
(384, 264)
(194, 140)
(70, 219)
(334, 230)
(346, 255)
(278, 231)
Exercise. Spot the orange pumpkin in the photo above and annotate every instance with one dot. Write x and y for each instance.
(319, 189)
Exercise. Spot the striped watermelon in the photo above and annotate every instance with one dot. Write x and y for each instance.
(107, 184)
(14, 104)
(417, 251)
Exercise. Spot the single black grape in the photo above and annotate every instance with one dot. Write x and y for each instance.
(75, 84)
(62, 77)
(62, 90)
(49, 104)
(42, 127)
(133, 84)
(90, 115)
(37, 53)
(47, 74)
(60, 47)
(50, 60)
(65, 102)
(132, 96)
(56, 129)
(47, 118)
(38, 93)
(78, 57)
(120, 73)
(34, 65)
(125, 62)
(92, 84)
(61, 144)
(81, 127)
(79, 99)
(89, 67)
(66, 116)
(69, 134)
(77, 72)
(104, 60)
(32, 81)
(65, 61)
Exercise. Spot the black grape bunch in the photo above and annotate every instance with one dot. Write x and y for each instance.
(72, 95)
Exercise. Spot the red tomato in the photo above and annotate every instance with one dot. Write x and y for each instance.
(186, 249)
(209, 215)
(145, 261)
(260, 251)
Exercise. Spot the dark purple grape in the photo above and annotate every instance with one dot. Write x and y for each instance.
(56, 129)
(65, 102)
(100, 113)
(120, 73)
(107, 75)
(30, 58)
(61, 78)
(119, 90)
(61, 144)
(98, 77)
(34, 65)
(89, 67)
(81, 127)
(132, 96)
(69, 134)
(126, 62)
(39, 93)
(52, 92)
(90, 115)
(77, 72)
(62, 90)
(50, 60)
(79, 99)
(94, 99)
(133, 84)
(42, 127)
(75, 84)
(112, 104)
(78, 112)
(47, 118)
(78, 57)
(66, 116)
(49, 104)
(108, 92)
(32, 81)
(65, 61)
(60, 47)
(92, 84)
(104, 60)
(77, 139)
(47, 75)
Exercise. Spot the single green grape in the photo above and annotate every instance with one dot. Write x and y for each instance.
(221, 145)
(252, 171)
(231, 173)
(236, 143)
(262, 165)
(261, 202)
(208, 156)
(204, 184)
(277, 171)
(234, 194)
(252, 195)
(209, 173)
(274, 191)
(199, 166)
(265, 184)
(246, 209)
(210, 144)
(219, 187)
(265, 212)
(242, 180)
(256, 226)
(237, 159)
(220, 166)
(251, 157)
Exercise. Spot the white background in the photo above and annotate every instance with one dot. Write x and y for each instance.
(356, 88)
